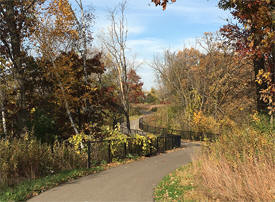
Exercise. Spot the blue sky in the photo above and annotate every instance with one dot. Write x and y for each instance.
(151, 30)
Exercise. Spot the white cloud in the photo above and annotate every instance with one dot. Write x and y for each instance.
(146, 47)
(135, 29)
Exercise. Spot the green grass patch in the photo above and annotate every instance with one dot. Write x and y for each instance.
(175, 186)
(30, 188)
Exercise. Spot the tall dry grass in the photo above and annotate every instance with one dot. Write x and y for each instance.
(29, 159)
(249, 181)
(240, 166)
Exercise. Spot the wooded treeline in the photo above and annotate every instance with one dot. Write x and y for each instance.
(226, 86)
(231, 74)
(53, 84)
(213, 81)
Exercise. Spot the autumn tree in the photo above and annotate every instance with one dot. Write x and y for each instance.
(253, 37)
(73, 72)
(214, 82)
(227, 81)
(56, 33)
(174, 72)
(136, 94)
(17, 21)
(115, 44)
(84, 25)
(152, 97)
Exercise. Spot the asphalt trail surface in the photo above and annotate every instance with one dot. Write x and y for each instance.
(130, 182)
(134, 124)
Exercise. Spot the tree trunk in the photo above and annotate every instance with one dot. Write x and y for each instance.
(17, 57)
(3, 118)
(116, 45)
(65, 100)
(84, 36)
(68, 109)
(128, 122)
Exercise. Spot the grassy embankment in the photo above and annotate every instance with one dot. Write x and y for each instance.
(239, 166)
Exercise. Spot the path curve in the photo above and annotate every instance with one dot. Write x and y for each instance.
(130, 182)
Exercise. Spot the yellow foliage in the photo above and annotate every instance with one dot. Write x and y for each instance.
(145, 142)
(116, 139)
(204, 123)
(266, 94)
(255, 117)
(33, 110)
(77, 140)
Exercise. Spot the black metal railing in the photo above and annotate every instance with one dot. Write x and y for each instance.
(189, 135)
(107, 150)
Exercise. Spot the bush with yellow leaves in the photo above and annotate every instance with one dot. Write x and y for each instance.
(202, 123)
(135, 145)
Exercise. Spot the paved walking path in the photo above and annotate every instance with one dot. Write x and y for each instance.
(130, 182)
(134, 124)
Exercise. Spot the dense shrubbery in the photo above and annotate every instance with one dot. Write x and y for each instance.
(140, 144)
(29, 159)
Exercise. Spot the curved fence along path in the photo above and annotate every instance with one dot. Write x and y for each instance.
(129, 182)
(188, 135)
(99, 151)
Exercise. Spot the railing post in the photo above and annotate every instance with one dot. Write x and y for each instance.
(157, 146)
(130, 146)
(109, 152)
(89, 154)
(165, 146)
(141, 150)
(173, 142)
(141, 123)
(125, 150)
(150, 147)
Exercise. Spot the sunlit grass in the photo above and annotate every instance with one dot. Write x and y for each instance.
(177, 186)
